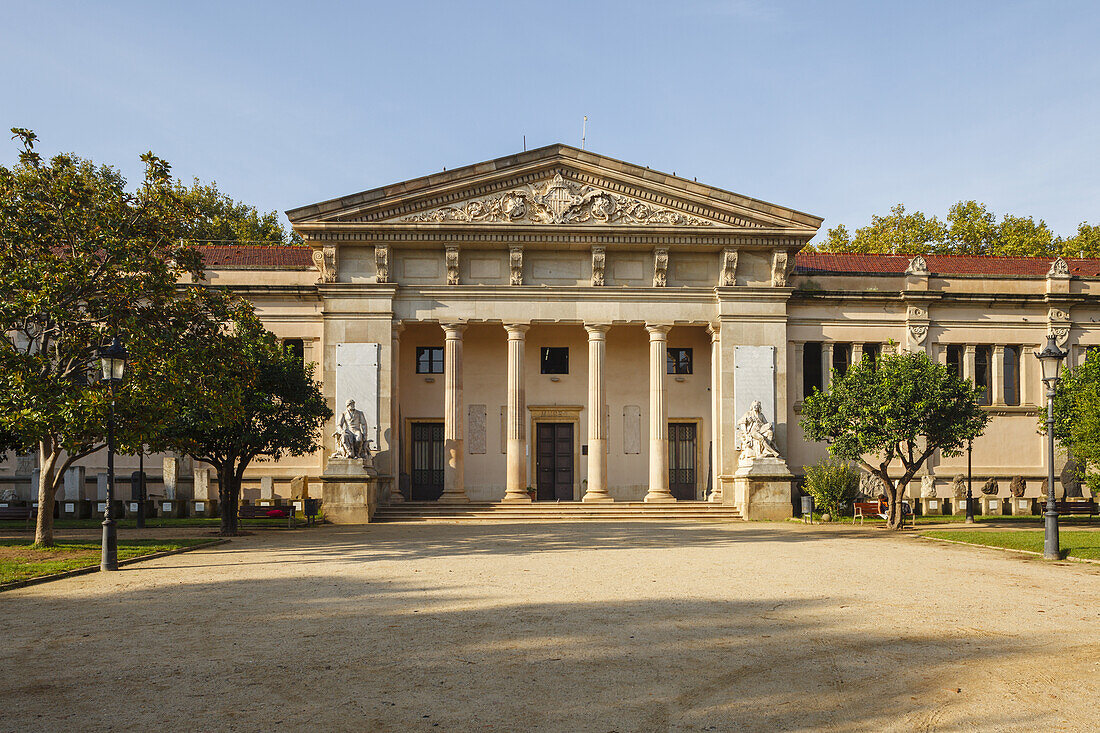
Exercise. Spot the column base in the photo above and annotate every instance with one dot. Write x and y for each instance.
(656, 497)
(453, 497)
(517, 498)
(593, 497)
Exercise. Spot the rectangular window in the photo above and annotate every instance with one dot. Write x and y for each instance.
(555, 359)
(811, 368)
(679, 361)
(1012, 375)
(871, 353)
(955, 360)
(297, 348)
(842, 357)
(429, 359)
(983, 360)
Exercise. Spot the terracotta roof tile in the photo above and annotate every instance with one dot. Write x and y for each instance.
(256, 256)
(819, 263)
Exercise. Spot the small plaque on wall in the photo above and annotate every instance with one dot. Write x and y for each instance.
(70, 507)
(200, 506)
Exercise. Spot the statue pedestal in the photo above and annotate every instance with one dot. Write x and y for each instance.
(349, 491)
(763, 489)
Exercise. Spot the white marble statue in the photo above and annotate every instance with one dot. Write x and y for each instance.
(351, 434)
(928, 487)
(757, 435)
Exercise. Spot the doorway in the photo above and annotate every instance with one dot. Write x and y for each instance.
(427, 461)
(681, 460)
(554, 461)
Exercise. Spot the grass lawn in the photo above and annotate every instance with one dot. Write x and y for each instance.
(20, 560)
(157, 523)
(1077, 543)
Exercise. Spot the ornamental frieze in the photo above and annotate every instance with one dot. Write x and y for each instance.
(559, 201)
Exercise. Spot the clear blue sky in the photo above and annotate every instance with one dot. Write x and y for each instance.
(838, 109)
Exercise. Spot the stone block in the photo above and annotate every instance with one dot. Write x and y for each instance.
(763, 489)
(171, 477)
(267, 490)
(201, 490)
(1022, 506)
(73, 489)
(171, 507)
(935, 506)
(299, 488)
(204, 508)
(991, 505)
(349, 491)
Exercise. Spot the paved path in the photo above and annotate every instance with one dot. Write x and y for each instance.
(572, 627)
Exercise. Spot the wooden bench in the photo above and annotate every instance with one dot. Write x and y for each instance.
(18, 512)
(877, 510)
(1088, 508)
(254, 511)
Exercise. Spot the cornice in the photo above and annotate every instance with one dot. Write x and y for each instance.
(607, 293)
(504, 234)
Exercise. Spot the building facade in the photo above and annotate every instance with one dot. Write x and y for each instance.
(561, 326)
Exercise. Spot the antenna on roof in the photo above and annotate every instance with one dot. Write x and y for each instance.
(584, 129)
(525, 143)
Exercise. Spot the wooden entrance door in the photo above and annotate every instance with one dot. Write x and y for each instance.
(427, 461)
(681, 460)
(554, 461)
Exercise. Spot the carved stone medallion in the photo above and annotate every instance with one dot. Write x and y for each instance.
(452, 265)
(515, 265)
(660, 267)
(729, 267)
(599, 259)
(382, 262)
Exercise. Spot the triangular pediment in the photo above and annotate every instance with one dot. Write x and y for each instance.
(556, 186)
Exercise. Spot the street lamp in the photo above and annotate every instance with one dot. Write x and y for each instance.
(113, 361)
(1050, 361)
(969, 477)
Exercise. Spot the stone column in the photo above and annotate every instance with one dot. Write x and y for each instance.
(396, 496)
(716, 411)
(826, 364)
(597, 414)
(454, 433)
(658, 414)
(516, 486)
(857, 354)
(997, 375)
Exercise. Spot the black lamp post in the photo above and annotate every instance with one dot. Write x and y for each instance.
(1050, 359)
(113, 361)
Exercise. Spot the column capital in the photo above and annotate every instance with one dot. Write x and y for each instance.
(715, 331)
(396, 328)
(453, 329)
(597, 330)
(658, 331)
(516, 330)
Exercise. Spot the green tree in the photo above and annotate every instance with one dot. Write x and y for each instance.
(833, 484)
(81, 259)
(220, 219)
(898, 232)
(1077, 417)
(1022, 236)
(1086, 243)
(238, 396)
(972, 229)
(902, 406)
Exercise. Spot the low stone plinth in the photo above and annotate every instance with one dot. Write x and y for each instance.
(991, 505)
(763, 489)
(204, 508)
(934, 506)
(349, 491)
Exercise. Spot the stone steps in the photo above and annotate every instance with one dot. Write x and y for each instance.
(553, 511)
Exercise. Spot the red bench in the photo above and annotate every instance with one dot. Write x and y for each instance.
(877, 510)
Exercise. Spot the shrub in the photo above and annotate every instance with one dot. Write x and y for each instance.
(832, 484)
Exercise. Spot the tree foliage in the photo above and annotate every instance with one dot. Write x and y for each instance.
(237, 396)
(900, 406)
(219, 219)
(833, 484)
(970, 229)
(82, 259)
(1077, 417)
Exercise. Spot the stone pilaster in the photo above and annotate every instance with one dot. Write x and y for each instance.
(826, 364)
(716, 410)
(395, 496)
(968, 362)
(997, 375)
(454, 432)
(516, 423)
(597, 414)
(658, 414)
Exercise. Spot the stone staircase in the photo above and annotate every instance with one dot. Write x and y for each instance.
(546, 511)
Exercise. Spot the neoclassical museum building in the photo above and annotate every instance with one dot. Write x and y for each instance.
(559, 326)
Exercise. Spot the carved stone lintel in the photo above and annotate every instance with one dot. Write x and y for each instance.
(324, 259)
(729, 267)
(782, 267)
(917, 266)
(382, 262)
(660, 267)
(599, 262)
(515, 264)
(1059, 270)
(452, 265)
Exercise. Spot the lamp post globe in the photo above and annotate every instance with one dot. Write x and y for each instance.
(113, 368)
(1050, 362)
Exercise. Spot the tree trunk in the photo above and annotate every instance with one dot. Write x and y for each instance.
(47, 489)
(229, 490)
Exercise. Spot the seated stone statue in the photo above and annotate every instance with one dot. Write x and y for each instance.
(757, 435)
(351, 434)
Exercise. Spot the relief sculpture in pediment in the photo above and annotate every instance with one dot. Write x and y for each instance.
(559, 201)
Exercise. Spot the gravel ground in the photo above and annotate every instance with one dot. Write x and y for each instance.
(572, 627)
